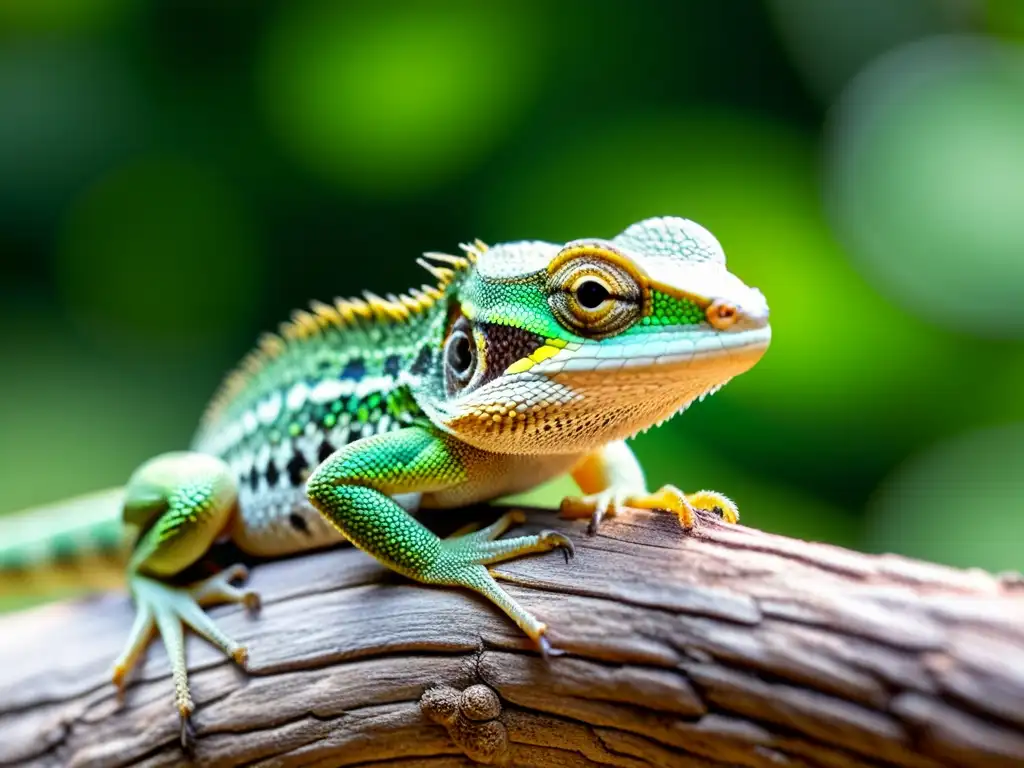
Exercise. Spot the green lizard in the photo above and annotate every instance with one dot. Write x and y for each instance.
(524, 361)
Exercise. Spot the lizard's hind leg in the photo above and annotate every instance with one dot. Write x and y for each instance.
(180, 503)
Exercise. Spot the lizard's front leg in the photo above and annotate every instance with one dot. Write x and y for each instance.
(352, 488)
(180, 503)
(612, 479)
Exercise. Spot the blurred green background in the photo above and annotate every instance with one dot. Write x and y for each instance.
(177, 176)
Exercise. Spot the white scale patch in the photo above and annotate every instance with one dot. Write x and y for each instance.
(371, 384)
(329, 390)
(268, 411)
(408, 379)
(296, 396)
(262, 458)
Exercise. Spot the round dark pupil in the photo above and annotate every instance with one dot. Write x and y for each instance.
(460, 353)
(591, 294)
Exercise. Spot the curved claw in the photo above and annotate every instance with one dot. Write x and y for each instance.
(597, 506)
(187, 737)
(547, 651)
(561, 541)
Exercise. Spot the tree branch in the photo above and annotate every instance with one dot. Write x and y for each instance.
(727, 647)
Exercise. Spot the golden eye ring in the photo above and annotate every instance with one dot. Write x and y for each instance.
(594, 297)
(722, 314)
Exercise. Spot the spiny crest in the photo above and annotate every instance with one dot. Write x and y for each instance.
(348, 313)
(345, 313)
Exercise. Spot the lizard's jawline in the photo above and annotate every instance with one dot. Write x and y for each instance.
(699, 398)
(696, 351)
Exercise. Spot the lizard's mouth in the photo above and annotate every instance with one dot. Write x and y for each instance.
(584, 397)
(700, 352)
(643, 390)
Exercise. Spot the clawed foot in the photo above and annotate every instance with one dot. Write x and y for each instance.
(596, 506)
(464, 558)
(608, 503)
(556, 540)
(716, 503)
(168, 609)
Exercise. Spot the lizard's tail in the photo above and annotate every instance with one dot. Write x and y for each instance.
(63, 548)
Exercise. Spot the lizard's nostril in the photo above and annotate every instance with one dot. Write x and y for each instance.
(722, 314)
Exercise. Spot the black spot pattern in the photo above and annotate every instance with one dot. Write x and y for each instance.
(298, 469)
(298, 522)
(505, 345)
(325, 450)
(422, 362)
(272, 474)
(392, 365)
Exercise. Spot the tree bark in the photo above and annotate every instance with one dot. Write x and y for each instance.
(724, 647)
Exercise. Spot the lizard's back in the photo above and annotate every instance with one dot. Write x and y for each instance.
(333, 375)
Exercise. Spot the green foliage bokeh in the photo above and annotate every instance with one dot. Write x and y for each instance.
(175, 178)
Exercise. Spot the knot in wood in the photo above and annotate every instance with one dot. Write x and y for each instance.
(480, 702)
(440, 704)
(471, 719)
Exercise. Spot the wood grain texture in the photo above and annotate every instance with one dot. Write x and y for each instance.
(728, 647)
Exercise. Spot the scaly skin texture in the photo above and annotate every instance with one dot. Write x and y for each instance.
(524, 361)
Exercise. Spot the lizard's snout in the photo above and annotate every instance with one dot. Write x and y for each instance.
(749, 315)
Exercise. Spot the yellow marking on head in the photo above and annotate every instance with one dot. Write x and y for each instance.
(520, 366)
(546, 352)
(551, 348)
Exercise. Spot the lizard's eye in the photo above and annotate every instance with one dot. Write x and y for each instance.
(460, 356)
(591, 293)
(594, 297)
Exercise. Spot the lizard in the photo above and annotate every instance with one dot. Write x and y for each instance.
(519, 363)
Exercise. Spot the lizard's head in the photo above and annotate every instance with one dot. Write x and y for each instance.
(558, 349)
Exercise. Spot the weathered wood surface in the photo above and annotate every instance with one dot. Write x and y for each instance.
(732, 647)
